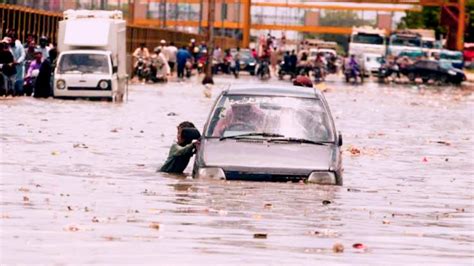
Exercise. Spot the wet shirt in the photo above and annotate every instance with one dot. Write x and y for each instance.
(182, 56)
(178, 158)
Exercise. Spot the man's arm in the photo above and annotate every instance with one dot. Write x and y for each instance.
(177, 150)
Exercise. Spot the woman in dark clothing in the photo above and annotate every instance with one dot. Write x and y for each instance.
(43, 81)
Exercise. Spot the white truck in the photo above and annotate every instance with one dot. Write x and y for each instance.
(367, 40)
(404, 42)
(92, 59)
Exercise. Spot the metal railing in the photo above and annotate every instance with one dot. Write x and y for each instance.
(39, 23)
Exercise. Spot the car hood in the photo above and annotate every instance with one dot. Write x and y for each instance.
(233, 154)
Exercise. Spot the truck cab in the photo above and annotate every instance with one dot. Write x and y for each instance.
(367, 40)
(92, 58)
(404, 41)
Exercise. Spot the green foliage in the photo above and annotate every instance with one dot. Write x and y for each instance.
(428, 18)
(469, 37)
(339, 19)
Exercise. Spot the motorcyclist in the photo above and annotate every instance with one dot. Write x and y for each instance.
(320, 63)
(141, 55)
(287, 62)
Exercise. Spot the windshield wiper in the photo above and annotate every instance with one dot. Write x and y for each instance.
(261, 134)
(300, 140)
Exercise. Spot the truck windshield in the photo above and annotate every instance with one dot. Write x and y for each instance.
(84, 63)
(367, 38)
(405, 41)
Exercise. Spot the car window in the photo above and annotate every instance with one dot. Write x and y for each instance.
(421, 64)
(432, 65)
(288, 116)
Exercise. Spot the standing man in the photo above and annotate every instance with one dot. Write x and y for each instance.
(19, 55)
(181, 57)
(171, 51)
(7, 68)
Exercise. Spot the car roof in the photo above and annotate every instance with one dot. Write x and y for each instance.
(274, 90)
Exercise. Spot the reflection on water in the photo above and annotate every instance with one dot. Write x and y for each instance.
(78, 184)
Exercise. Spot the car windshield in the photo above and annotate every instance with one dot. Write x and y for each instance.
(288, 117)
(367, 38)
(84, 63)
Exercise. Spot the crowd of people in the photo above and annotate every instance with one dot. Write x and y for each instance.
(26, 67)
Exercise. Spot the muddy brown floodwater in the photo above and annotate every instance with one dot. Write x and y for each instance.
(78, 184)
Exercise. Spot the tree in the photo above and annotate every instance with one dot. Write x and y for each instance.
(469, 36)
(428, 18)
(339, 19)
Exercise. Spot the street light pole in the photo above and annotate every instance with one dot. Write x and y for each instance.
(210, 42)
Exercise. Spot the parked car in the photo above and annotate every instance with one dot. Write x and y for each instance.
(469, 55)
(455, 58)
(247, 61)
(372, 63)
(440, 71)
(269, 133)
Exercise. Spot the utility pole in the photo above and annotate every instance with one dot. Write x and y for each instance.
(210, 41)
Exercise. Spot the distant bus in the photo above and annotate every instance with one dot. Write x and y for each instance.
(367, 40)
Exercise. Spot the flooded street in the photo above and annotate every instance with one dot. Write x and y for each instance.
(79, 184)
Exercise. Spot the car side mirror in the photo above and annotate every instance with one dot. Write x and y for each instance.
(339, 139)
(114, 69)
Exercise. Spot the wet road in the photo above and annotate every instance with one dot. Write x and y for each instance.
(78, 184)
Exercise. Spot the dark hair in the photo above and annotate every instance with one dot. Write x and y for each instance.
(53, 53)
(186, 124)
(172, 43)
(188, 134)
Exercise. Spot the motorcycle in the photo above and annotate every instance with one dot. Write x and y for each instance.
(318, 74)
(141, 69)
(354, 73)
(285, 70)
(264, 70)
(188, 68)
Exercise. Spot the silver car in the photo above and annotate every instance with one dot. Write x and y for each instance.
(268, 133)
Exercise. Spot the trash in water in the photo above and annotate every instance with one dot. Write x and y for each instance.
(425, 160)
(358, 246)
(326, 202)
(155, 225)
(172, 114)
(338, 248)
(260, 236)
(268, 206)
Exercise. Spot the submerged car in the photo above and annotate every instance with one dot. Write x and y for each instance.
(440, 71)
(268, 133)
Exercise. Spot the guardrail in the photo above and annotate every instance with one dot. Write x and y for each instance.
(45, 23)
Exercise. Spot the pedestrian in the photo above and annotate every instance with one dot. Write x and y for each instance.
(187, 143)
(171, 51)
(293, 61)
(237, 62)
(43, 81)
(7, 68)
(274, 59)
(18, 51)
(182, 57)
(44, 47)
(161, 64)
